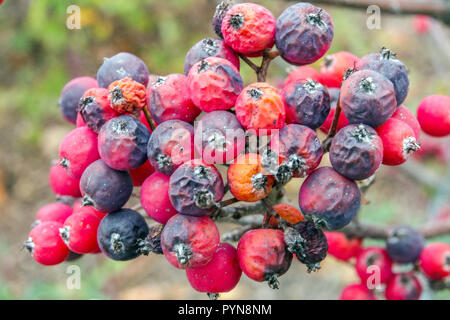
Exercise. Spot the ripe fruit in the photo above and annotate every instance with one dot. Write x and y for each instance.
(122, 143)
(403, 286)
(435, 260)
(95, 109)
(221, 10)
(104, 188)
(247, 180)
(219, 137)
(155, 198)
(127, 95)
(80, 232)
(62, 184)
(221, 274)
(404, 114)
(249, 28)
(398, 141)
(209, 47)
(77, 150)
(433, 115)
(189, 242)
(334, 66)
(195, 188)
(356, 151)
(357, 291)
(341, 247)
(170, 145)
(307, 103)
(404, 244)
(263, 255)
(389, 66)
(373, 263)
(79, 208)
(167, 99)
(367, 97)
(260, 108)
(214, 84)
(342, 122)
(289, 213)
(122, 235)
(141, 173)
(80, 122)
(304, 33)
(45, 244)
(300, 74)
(122, 65)
(330, 198)
(71, 94)
(57, 212)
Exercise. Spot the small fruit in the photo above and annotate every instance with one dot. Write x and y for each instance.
(79, 208)
(127, 95)
(398, 141)
(330, 198)
(435, 260)
(155, 198)
(195, 188)
(170, 145)
(221, 10)
(289, 213)
(79, 232)
(421, 23)
(357, 291)
(104, 188)
(404, 244)
(367, 97)
(221, 274)
(167, 99)
(62, 184)
(301, 74)
(334, 66)
(122, 143)
(249, 28)
(95, 109)
(341, 247)
(141, 173)
(404, 114)
(433, 115)
(247, 180)
(45, 244)
(356, 151)
(263, 255)
(122, 235)
(260, 108)
(342, 122)
(189, 242)
(403, 286)
(373, 263)
(304, 33)
(214, 84)
(57, 212)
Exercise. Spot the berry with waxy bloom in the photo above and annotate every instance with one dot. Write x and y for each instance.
(71, 94)
(404, 244)
(95, 108)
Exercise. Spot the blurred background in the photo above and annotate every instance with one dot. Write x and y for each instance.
(38, 55)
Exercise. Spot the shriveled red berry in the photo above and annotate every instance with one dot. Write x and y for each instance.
(342, 122)
(71, 94)
(62, 183)
(357, 291)
(189, 242)
(404, 114)
(58, 212)
(221, 274)
(289, 213)
(45, 244)
(263, 255)
(433, 115)
(334, 66)
(398, 141)
(249, 28)
(260, 108)
(341, 247)
(80, 232)
(95, 108)
(141, 173)
(301, 73)
(435, 260)
(78, 150)
(403, 286)
(127, 95)
(373, 263)
(155, 198)
(214, 84)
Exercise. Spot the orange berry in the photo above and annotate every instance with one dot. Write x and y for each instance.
(127, 95)
(289, 213)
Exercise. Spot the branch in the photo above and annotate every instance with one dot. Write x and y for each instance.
(261, 71)
(326, 144)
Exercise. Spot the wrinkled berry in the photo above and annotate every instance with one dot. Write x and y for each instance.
(62, 184)
(95, 109)
(79, 232)
(404, 244)
(141, 173)
(341, 247)
(404, 114)
(435, 260)
(433, 115)
(127, 95)
(403, 286)
(289, 213)
(71, 94)
(357, 291)
(342, 122)
(373, 263)
(57, 212)
(334, 66)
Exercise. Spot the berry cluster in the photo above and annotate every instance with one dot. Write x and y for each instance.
(137, 130)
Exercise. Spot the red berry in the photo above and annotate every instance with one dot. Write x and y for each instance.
(155, 198)
(214, 84)
(45, 244)
(404, 114)
(79, 208)
(80, 232)
(71, 94)
(302, 73)
(374, 264)
(433, 115)
(62, 184)
(80, 122)
(189, 242)
(143, 119)
(57, 212)
(167, 99)
(435, 260)
(249, 28)
(403, 286)
(334, 66)
(421, 23)
(260, 108)
(263, 255)
(341, 247)
(141, 173)
(342, 122)
(357, 291)
(221, 274)
(398, 141)
(78, 150)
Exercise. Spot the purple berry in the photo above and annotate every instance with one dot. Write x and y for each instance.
(95, 109)
(404, 244)
(221, 11)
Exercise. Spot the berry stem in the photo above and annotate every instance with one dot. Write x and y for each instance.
(149, 118)
(326, 144)
(261, 71)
